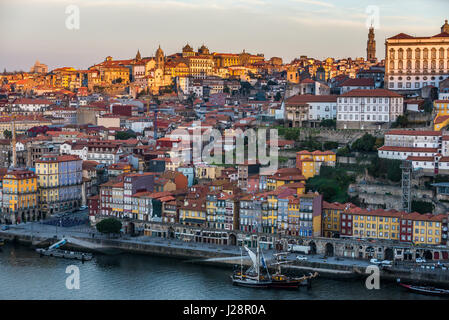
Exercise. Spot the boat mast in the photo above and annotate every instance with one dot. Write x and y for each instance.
(258, 259)
(241, 263)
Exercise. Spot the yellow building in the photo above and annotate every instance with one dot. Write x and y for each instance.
(293, 216)
(176, 69)
(331, 218)
(66, 77)
(205, 171)
(374, 224)
(19, 198)
(441, 107)
(440, 122)
(292, 75)
(285, 176)
(193, 212)
(270, 214)
(310, 162)
(427, 228)
(299, 187)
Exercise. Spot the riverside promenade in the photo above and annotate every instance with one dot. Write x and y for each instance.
(86, 238)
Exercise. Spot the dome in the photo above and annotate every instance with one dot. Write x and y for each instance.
(203, 50)
(445, 27)
(187, 48)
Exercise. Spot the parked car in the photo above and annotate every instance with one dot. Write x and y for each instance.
(301, 258)
(4, 228)
(420, 260)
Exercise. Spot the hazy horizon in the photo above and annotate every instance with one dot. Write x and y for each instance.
(35, 29)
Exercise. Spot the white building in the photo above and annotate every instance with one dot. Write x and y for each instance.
(26, 106)
(368, 109)
(427, 150)
(310, 108)
(412, 63)
(77, 149)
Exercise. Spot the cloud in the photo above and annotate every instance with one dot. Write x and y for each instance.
(315, 2)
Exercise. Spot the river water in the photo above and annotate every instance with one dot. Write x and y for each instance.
(26, 275)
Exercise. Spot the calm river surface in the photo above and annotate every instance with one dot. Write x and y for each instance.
(25, 275)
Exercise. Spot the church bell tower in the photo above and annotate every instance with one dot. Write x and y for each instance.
(371, 46)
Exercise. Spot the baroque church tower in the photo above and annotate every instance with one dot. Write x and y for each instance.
(371, 46)
(160, 59)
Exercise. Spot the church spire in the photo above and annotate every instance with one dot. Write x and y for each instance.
(138, 57)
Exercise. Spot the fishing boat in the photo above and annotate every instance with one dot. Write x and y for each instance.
(425, 290)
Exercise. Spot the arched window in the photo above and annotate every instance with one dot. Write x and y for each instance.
(441, 64)
(426, 53)
(417, 53)
(409, 64)
(417, 65)
(409, 53)
(391, 65)
(425, 64)
(401, 54)
(433, 64)
(441, 53)
(434, 53)
(392, 54)
(400, 65)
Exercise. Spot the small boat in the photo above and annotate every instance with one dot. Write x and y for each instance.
(65, 254)
(2, 242)
(425, 290)
(54, 251)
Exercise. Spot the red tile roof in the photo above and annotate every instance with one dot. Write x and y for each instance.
(358, 82)
(406, 149)
(371, 93)
(413, 133)
(305, 98)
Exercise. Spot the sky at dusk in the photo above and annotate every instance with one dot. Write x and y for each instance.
(33, 30)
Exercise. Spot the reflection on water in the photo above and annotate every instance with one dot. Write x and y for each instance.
(26, 275)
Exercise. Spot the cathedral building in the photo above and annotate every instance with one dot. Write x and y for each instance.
(412, 63)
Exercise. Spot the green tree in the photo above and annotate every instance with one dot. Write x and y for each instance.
(109, 226)
(344, 151)
(125, 135)
(7, 134)
(422, 206)
(328, 123)
(364, 144)
(385, 169)
(330, 145)
(401, 122)
(291, 134)
(245, 87)
(428, 106)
